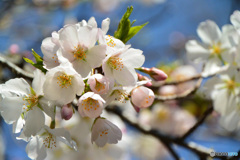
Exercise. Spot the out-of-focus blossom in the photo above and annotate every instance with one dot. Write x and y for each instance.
(106, 5)
(14, 49)
(168, 90)
(224, 91)
(48, 139)
(103, 131)
(170, 120)
(215, 50)
(181, 73)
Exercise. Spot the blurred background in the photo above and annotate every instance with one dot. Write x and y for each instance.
(25, 23)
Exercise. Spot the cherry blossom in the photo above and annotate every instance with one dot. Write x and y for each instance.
(46, 139)
(20, 101)
(62, 84)
(99, 84)
(90, 105)
(78, 46)
(103, 131)
(120, 65)
(142, 97)
(215, 49)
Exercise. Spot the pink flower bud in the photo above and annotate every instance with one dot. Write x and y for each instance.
(66, 112)
(142, 97)
(157, 74)
(14, 49)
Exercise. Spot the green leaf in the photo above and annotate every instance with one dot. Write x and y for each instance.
(125, 30)
(37, 57)
(124, 25)
(28, 61)
(39, 61)
(134, 30)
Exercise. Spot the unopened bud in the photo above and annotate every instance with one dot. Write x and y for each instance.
(155, 73)
(67, 111)
(142, 97)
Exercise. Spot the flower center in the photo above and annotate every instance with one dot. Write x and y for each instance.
(115, 63)
(99, 86)
(49, 141)
(110, 41)
(90, 104)
(31, 100)
(80, 52)
(231, 85)
(162, 114)
(64, 80)
(120, 96)
(105, 132)
(216, 49)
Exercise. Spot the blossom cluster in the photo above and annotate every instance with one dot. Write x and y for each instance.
(82, 64)
(220, 53)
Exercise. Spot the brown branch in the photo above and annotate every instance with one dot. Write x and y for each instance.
(199, 122)
(19, 71)
(182, 95)
(159, 83)
(196, 77)
(167, 140)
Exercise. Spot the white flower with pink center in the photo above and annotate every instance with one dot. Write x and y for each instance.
(90, 105)
(103, 131)
(78, 46)
(120, 65)
(62, 84)
(142, 97)
(99, 84)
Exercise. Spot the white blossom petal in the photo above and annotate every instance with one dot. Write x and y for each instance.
(197, 51)
(11, 108)
(105, 25)
(35, 149)
(209, 32)
(96, 55)
(133, 58)
(35, 120)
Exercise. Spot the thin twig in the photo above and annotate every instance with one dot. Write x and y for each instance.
(197, 76)
(199, 122)
(157, 134)
(160, 83)
(182, 95)
(15, 68)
